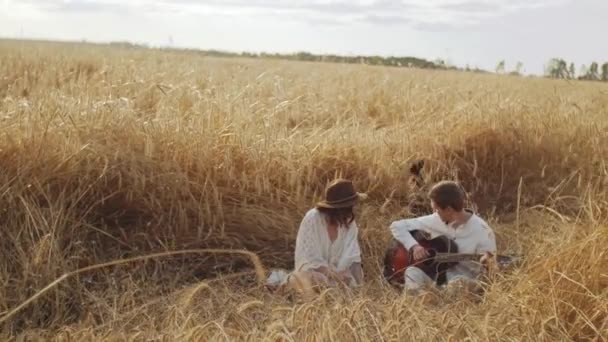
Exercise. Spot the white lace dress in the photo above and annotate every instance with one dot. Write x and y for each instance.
(315, 249)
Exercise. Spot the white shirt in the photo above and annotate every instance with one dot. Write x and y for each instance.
(315, 249)
(475, 236)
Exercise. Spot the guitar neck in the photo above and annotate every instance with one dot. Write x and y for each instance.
(456, 257)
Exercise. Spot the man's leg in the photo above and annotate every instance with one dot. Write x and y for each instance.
(416, 279)
(459, 284)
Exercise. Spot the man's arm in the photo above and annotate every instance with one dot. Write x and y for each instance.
(487, 246)
(487, 240)
(401, 229)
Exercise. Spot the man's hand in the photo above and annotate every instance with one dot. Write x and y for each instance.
(486, 259)
(419, 252)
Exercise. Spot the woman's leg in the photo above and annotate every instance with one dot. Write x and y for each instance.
(356, 272)
(308, 282)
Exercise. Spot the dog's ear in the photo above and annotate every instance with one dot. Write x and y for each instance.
(416, 167)
(418, 203)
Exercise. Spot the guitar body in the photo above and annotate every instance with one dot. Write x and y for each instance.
(397, 258)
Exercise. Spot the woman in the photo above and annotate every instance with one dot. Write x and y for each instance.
(327, 247)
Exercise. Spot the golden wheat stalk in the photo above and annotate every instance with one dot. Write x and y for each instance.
(257, 264)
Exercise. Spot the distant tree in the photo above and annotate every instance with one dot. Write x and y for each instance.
(440, 62)
(551, 68)
(305, 56)
(594, 71)
(572, 71)
(583, 72)
(500, 67)
(556, 68)
(563, 68)
(605, 72)
(519, 68)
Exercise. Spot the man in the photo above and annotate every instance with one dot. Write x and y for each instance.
(450, 219)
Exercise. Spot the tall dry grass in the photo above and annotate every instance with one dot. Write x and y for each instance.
(110, 154)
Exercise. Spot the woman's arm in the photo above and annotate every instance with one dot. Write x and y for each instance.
(308, 254)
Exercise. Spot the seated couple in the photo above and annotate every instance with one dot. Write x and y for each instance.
(327, 250)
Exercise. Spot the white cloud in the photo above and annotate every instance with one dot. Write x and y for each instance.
(416, 13)
(421, 14)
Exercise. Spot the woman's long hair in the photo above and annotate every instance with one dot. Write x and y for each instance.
(339, 216)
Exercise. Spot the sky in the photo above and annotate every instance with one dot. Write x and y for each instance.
(463, 32)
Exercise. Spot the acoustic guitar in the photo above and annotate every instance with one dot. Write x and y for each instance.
(443, 254)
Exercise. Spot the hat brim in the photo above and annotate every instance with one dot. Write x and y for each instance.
(359, 196)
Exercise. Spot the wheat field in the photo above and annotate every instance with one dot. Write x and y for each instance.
(112, 153)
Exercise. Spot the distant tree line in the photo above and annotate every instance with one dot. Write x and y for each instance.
(501, 68)
(559, 68)
(370, 60)
(555, 67)
(408, 62)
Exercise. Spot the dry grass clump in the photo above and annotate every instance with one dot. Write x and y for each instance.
(109, 154)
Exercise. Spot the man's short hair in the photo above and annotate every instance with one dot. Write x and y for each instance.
(447, 194)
